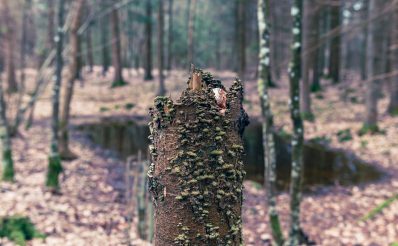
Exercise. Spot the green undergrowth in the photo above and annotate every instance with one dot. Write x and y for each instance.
(380, 208)
(18, 229)
(119, 83)
(344, 135)
(370, 129)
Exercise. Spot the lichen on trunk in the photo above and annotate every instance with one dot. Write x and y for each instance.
(197, 171)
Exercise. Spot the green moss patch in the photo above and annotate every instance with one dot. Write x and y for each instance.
(18, 229)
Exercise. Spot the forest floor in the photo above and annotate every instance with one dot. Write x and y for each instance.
(91, 210)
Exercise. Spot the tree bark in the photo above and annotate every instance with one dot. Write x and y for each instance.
(298, 128)
(89, 44)
(55, 166)
(7, 170)
(74, 42)
(393, 104)
(241, 38)
(148, 41)
(191, 31)
(162, 89)
(264, 71)
(170, 37)
(50, 24)
(197, 171)
(116, 51)
(12, 85)
(334, 56)
(104, 40)
(309, 57)
(372, 88)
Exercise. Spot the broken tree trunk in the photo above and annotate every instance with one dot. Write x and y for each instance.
(197, 170)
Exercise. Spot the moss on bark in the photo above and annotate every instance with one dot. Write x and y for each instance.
(8, 166)
(54, 169)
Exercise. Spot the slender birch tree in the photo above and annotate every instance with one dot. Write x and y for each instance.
(7, 173)
(298, 128)
(55, 166)
(264, 80)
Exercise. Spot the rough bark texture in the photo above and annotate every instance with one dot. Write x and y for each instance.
(197, 170)
(334, 58)
(298, 128)
(116, 51)
(54, 166)
(372, 87)
(67, 91)
(162, 89)
(264, 71)
(191, 30)
(7, 172)
(148, 41)
(393, 104)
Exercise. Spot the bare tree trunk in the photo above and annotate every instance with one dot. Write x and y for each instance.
(26, 8)
(50, 24)
(308, 58)
(55, 166)
(104, 40)
(116, 51)
(298, 127)
(12, 85)
(191, 31)
(264, 71)
(393, 105)
(131, 38)
(74, 41)
(170, 37)
(7, 170)
(201, 187)
(148, 41)
(162, 89)
(370, 123)
(334, 56)
(89, 44)
(241, 38)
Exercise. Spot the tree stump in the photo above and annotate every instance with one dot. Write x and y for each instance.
(197, 171)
